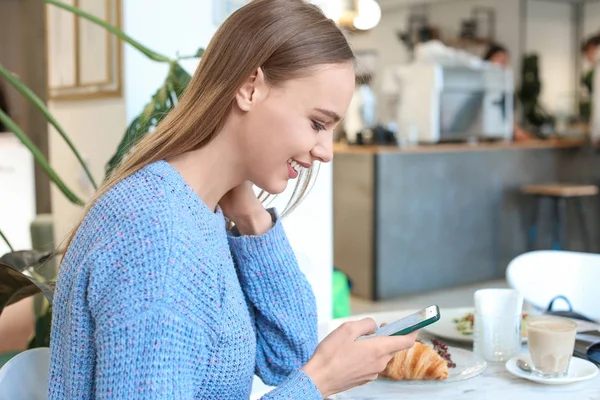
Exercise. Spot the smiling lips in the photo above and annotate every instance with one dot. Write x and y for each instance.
(294, 168)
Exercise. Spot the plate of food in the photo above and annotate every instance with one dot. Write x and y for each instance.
(457, 324)
(433, 362)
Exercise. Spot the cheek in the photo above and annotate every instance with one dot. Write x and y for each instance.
(279, 132)
(289, 136)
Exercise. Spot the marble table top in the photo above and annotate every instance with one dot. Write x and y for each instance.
(496, 383)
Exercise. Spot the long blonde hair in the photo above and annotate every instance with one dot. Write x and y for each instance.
(283, 37)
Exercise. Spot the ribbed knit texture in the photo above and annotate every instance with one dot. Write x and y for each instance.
(156, 300)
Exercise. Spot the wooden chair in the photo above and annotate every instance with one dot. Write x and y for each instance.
(559, 194)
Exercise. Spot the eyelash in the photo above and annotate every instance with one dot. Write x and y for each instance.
(317, 126)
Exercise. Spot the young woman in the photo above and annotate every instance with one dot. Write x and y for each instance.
(155, 298)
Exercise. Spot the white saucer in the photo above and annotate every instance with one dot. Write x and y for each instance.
(579, 370)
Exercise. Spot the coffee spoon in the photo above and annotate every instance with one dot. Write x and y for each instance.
(523, 365)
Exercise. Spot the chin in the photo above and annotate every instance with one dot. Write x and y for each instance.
(274, 187)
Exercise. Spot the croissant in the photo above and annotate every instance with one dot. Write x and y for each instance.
(421, 362)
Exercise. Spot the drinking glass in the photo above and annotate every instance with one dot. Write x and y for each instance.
(497, 324)
(551, 341)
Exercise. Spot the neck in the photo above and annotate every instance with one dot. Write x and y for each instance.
(212, 170)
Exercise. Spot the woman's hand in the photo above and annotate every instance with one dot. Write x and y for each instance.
(241, 206)
(341, 362)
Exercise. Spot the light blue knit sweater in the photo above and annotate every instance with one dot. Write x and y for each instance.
(155, 300)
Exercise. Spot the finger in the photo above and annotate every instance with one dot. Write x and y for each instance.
(413, 335)
(412, 338)
(394, 344)
(364, 326)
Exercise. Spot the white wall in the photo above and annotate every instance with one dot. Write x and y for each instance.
(550, 34)
(591, 19)
(17, 202)
(95, 127)
(168, 27)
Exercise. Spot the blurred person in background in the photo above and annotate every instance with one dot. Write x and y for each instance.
(498, 55)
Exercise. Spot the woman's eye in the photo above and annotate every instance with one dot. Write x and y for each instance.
(317, 126)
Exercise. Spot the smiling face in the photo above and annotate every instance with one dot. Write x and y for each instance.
(283, 128)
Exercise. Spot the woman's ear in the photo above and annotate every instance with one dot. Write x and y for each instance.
(251, 91)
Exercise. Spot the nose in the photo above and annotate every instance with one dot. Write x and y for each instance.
(323, 150)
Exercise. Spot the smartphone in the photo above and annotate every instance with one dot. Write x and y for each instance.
(410, 323)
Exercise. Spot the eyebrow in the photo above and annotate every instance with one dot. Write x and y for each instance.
(330, 114)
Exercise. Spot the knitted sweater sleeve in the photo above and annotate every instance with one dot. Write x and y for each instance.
(285, 311)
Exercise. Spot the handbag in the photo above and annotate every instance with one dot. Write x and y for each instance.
(566, 313)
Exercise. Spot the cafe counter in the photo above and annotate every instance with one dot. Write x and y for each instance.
(413, 219)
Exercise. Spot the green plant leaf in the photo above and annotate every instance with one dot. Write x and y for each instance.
(39, 158)
(22, 260)
(34, 287)
(16, 280)
(154, 112)
(6, 241)
(112, 29)
(43, 325)
(179, 78)
(198, 54)
(41, 107)
(134, 129)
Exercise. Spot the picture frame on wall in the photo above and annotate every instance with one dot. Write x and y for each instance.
(224, 8)
(84, 59)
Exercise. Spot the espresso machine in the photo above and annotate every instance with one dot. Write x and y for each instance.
(441, 103)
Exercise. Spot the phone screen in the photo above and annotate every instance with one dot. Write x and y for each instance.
(411, 322)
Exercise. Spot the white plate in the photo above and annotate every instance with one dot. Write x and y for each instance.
(445, 328)
(579, 370)
(468, 365)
